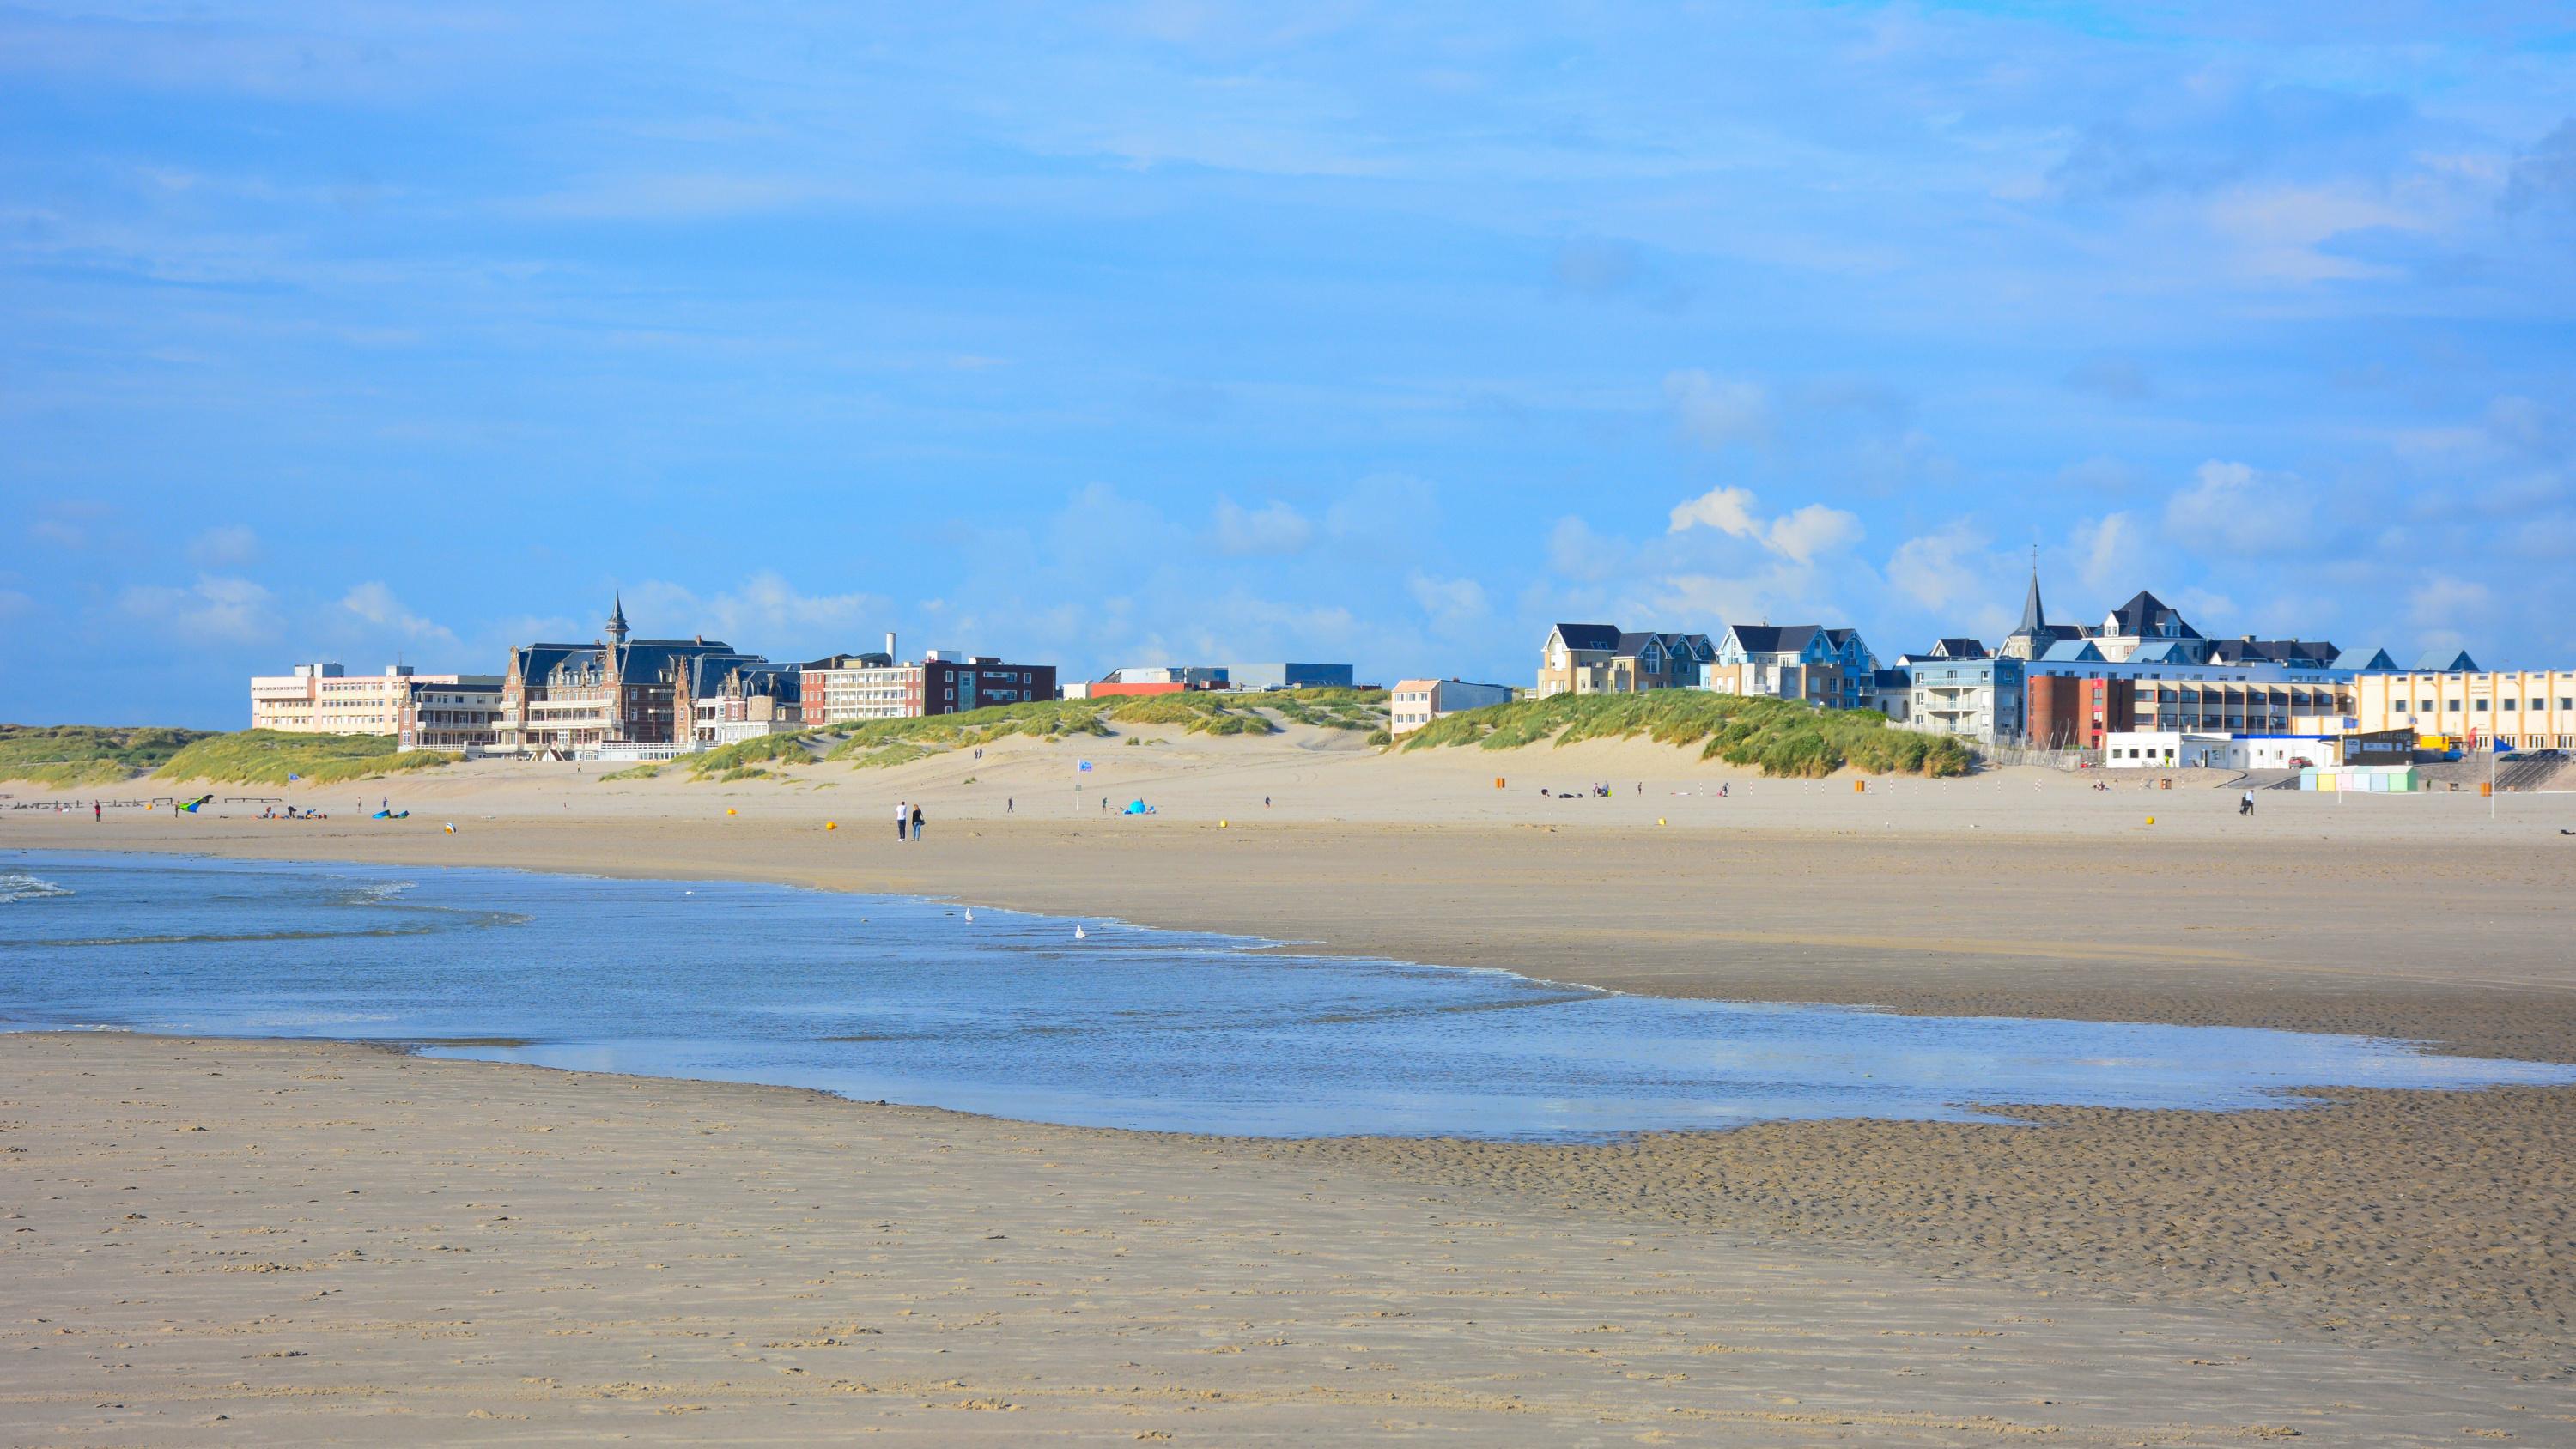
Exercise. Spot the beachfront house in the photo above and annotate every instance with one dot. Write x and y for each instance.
(1603, 659)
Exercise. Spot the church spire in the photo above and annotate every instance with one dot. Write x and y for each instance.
(617, 620)
(2034, 619)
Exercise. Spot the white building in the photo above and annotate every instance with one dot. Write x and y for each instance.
(2185, 750)
(449, 710)
(1414, 703)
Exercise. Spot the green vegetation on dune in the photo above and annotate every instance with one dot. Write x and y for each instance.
(1778, 736)
(875, 744)
(267, 757)
(632, 772)
(68, 756)
(794, 749)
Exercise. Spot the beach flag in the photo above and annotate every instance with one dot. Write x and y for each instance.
(292, 777)
(1084, 767)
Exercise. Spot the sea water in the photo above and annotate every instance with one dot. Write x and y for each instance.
(907, 1000)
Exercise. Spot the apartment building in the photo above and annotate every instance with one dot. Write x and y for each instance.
(1414, 703)
(1603, 659)
(562, 698)
(2530, 709)
(854, 687)
(325, 699)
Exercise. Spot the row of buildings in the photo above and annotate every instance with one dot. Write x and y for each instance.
(619, 694)
(2140, 687)
(623, 696)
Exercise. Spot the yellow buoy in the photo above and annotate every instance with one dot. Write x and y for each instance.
(831, 824)
(1220, 825)
(1659, 820)
(728, 810)
(2151, 820)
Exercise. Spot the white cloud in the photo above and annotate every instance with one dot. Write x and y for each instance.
(216, 610)
(375, 603)
(1274, 528)
(1718, 412)
(1728, 510)
(2110, 551)
(2235, 508)
(1803, 534)
(766, 614)
(1455, 605)
(1941, 569)
(1800, 535)
(229, 546)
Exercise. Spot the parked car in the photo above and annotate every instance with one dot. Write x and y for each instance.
(2302, 762)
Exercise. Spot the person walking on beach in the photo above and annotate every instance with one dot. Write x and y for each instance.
(2246, 805)
(1010, 806)
(94, 817)
(916, 822)
(902, 817)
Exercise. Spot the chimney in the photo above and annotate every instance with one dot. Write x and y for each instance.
(890, 654)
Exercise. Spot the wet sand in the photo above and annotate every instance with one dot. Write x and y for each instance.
(2415, 1229)
(263, 1243)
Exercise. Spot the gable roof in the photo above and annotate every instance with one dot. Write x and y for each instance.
(2146, 616)
(2164, 651)
(2364, 659)
(1772, 638)
(2071, 651)
(1589, 636)
(2446, 661)
(1958, 648)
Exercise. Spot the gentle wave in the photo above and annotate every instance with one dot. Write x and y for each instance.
(18, 886)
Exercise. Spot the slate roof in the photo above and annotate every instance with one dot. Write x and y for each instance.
(1773, 638)
(1589, 636)
(1958, 649)
(2145, 617)
(2318, 654)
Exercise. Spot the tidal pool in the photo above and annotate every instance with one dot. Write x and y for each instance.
(913, 1001)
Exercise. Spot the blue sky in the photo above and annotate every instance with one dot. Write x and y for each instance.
(1187, 332)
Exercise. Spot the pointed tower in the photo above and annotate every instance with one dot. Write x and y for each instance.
(2032, 639)
(617, 620)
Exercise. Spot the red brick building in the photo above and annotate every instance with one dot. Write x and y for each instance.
(2072, 713)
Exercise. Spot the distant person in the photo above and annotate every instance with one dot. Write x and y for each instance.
(1265, 802)
(2246, 805)
(1010, 806)
(916, 822)
(902, 818)
(94, 816)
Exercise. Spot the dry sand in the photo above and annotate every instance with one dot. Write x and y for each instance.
(2424, 1236)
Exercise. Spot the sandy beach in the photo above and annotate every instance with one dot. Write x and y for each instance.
(2380, 1267)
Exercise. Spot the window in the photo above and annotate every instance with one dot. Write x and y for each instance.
(2482, 707)
(2513, 704)
(2454, 707)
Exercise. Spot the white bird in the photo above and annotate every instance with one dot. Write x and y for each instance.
(1077, 933)
(970, 915)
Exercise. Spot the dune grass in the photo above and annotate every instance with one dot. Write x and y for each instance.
(795, 749)
(1777, 736)
(645, 771)
(69, 756)
(267, 757)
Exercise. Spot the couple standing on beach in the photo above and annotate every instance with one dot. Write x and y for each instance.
(907, 816)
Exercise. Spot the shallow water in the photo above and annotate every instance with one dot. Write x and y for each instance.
(906, 1000)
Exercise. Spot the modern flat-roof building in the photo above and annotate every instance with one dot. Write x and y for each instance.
(2526, 709)
(1289, 676)
(1414, 703)
(853, 687)
(1979, 698)
(447, 711)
